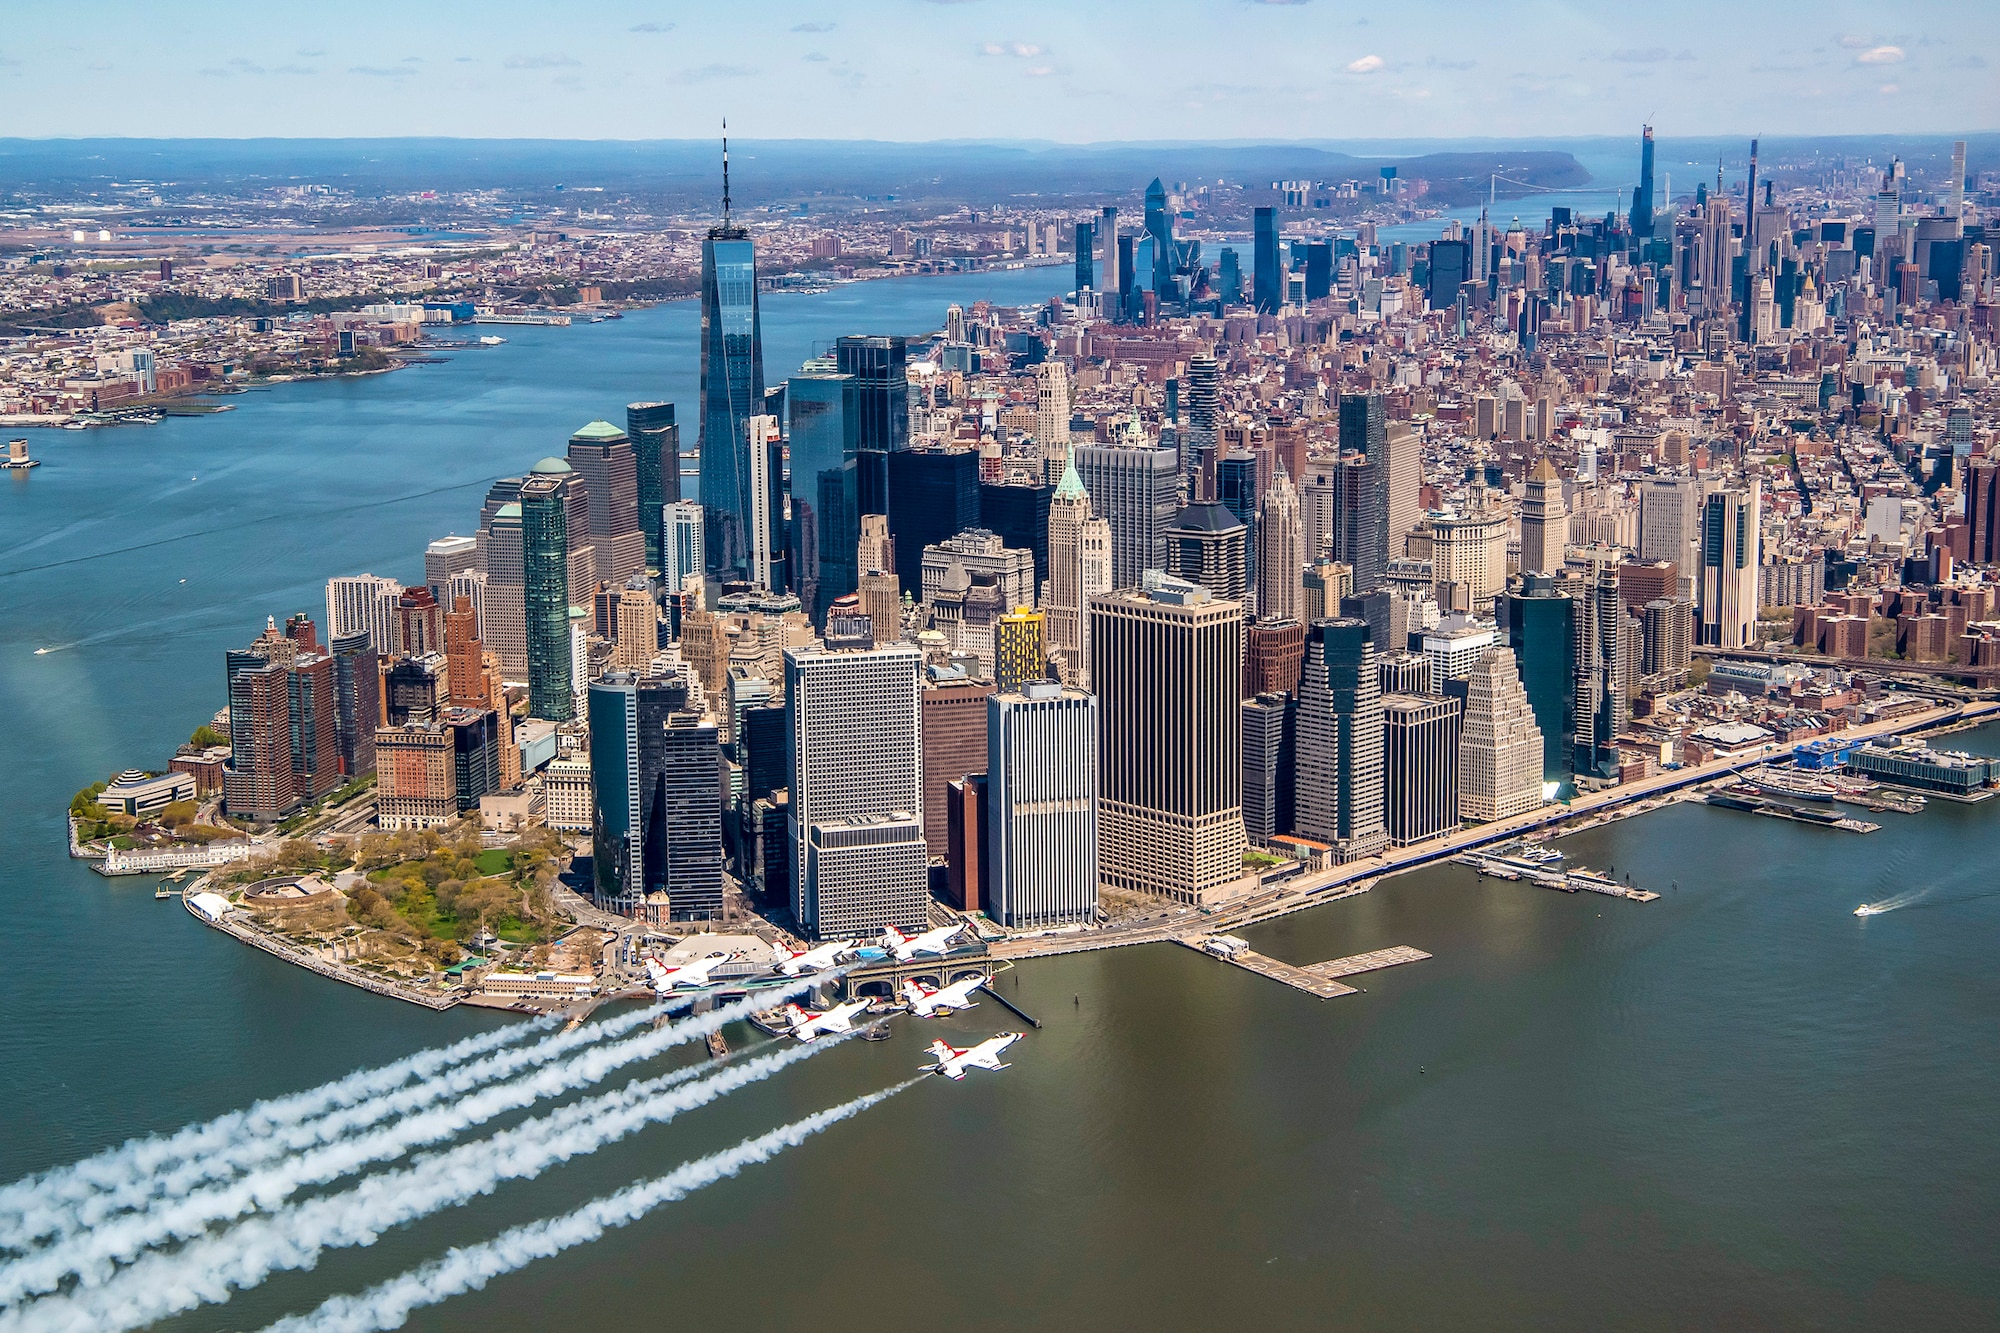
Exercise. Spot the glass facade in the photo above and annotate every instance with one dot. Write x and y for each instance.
(1266, 288)
(545, 576)
(878, 367)
(1541, 627)
(656, 443)
(732, 391)
(933, 495)
(826, 522)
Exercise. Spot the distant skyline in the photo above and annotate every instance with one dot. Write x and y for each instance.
(947, 69)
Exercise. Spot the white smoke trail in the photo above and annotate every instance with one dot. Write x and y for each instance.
(135, 1159)
(470, 1268)
(94, 1255)
(55, 1219)
(210, 1269)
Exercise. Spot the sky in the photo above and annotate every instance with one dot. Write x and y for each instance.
(1073, 71)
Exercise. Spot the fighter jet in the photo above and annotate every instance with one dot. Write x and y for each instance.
(926, 1001)
(952, 1062)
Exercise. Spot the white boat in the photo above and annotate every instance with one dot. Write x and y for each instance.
(489, 340)
(1869, 909)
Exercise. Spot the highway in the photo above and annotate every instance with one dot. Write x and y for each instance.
(1358, 876)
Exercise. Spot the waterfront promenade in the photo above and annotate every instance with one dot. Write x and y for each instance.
(1355, 877)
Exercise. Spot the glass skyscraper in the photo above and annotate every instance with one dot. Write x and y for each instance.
(656, 442)
(826, 517)
(1540, 624)
(1160, 227)
(545, 576)
(732, 391)
(1266, 279)
(878, 367)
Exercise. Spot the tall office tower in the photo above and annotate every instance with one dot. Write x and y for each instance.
(1405, 481)
(1642, 193)
(1667, 638)
(1267, 288)
(503, 720)
(825, 408)
(1360, 521)
(1134, 486)
(1319, 269)
(1954, 197)
(1420, 741)
(1269, 760)
(1107, 272)
(656, 454)
(1717, 246)
(732, 387)
(882, 600)
(1316, 509)
(980, 554)
(1086, 274)
(1500, 749)
(1020, 649)
(1469, 554)
(655, 768)
(854, 752)
(357, 702)
(875, 552)
(878, 365)
(1339, 791)
(764, 530)
(545, 595)
(1603, 672)
(1323, 587)
(1079, 569)
(1052, 415)
(608, 470)
(1669, 520)
(682, 531)
(364, 604)
(419, 623)
(638, 639)
(1041, 792)
(313, 704)
(1166, 661)
(1129, 296)
(258, 782)
(448, 556)
(1206, 546)
(1281, 551)
(1019, 516)
(1727, 594)
(933, 496)
(1204, 415)
(1160, 228)
(1750, 208)
(1451, 269)
(1544, 519)
(1237, 489)
(1540, 622)
(464, 656)
(953, 712)
(1229, 278)
(471, 585)
(1274, 652)
(1982, 510)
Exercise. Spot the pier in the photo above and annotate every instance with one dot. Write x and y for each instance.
(1321, 980)
(1758, 805)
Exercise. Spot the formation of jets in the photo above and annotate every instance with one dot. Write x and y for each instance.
(816, 960)
(953, 1062)
(906, 947)
(926, 1001)
(666, 980)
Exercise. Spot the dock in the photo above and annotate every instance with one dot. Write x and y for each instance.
(1321, 980)
(1758, 805)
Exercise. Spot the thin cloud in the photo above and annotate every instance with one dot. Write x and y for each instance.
(1854, 42)
(709, 73)
(1889, 89)
(817, 57)
(814, 27)
(1641, 55)
(1022, 50)
(651, 27)
(551, 61)
(1880, 55)
(305, 54)
(1366, 65)
(1040, 71)
(1435, 63)
(382, 71)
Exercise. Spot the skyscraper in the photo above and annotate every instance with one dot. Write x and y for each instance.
(933, 496)
(1160, 227)
(1020, 652)
(1726, 596)
(1166, 662)
(1041, 789)
(1405, 482)
(1281, 558)
(681, 533)
(1134, 486)
(1107, 272)
(1266, 281)
(1052, 416)
(1500, 750)
(1269, 764)
(825, 408)
(1642, 193)
(1539, 621)
(1237, 489)
(1086, 275)
(357, 687)
(1544, 520)
(609, 473)
(1206, 546)
(1079, 569)
(1204, 415)
(656, 771)
(1604, 664)
(1339, 789)
(765, 529)
(878, 365)
(953, 715)
(364, 604)
(1420, 742)
(656, 453)
(732, 386)
(545, 584)
(1451, 269)
(854, 753)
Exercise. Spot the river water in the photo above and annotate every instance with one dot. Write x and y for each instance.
(1739, 1106)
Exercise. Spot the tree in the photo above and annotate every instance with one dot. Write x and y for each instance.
(205, 736)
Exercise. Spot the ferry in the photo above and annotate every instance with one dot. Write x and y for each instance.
(1536, 854)
(1793, 785)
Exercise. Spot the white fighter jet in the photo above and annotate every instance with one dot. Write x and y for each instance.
(927, 1001)
(816, 960)
(952, 1062)
(806, 1024)
(906, 947)
(667, 980)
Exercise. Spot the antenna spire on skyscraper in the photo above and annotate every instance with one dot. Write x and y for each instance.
(725, 171)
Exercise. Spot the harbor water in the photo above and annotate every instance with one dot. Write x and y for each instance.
(1738, 1106)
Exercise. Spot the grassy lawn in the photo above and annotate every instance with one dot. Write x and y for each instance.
(494, 861)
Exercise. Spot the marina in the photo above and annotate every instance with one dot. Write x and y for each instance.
(1321, 980)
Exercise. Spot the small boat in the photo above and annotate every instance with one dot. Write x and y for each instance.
(1869, 909)
(490, 340)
